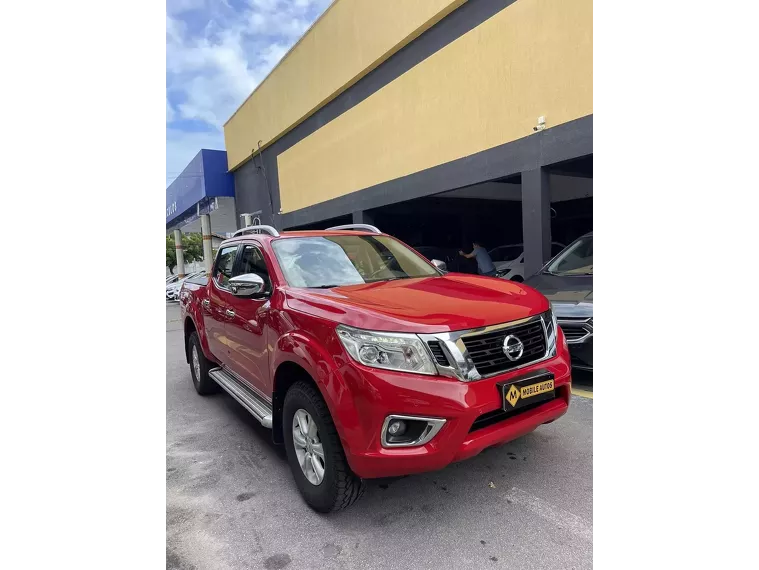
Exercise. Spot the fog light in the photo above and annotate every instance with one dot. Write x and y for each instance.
(396, 427)
(409, 431)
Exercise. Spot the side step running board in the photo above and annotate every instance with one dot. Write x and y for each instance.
(260, 408)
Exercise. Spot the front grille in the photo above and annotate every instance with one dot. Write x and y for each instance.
(486, 350)
(573, 332)
(437, 352)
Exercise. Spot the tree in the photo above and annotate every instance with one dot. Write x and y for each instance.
(171, 254)
(192, 247)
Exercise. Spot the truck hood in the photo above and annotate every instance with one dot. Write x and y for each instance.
(450, 302)
(570, 296)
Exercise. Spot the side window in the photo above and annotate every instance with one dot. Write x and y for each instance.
(506, 253)
(253, 262)
(222, 271)
(497, 254)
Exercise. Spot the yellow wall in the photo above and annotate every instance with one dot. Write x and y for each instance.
(351, 39)
(486, 88)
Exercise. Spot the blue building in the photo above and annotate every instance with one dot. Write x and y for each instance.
(203, 187)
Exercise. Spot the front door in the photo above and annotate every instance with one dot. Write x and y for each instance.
(216, 310)
(246, 328)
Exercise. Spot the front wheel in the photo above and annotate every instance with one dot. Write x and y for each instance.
(199, 367)
(314, 452)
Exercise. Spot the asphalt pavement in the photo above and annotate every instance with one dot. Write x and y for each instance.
(231, 502)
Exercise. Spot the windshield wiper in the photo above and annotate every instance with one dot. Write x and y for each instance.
(324, 286)
(391, 279)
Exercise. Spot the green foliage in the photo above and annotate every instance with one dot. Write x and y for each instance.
(171, 254)
(192, 246)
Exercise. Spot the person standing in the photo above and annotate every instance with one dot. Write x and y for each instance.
(484, 263)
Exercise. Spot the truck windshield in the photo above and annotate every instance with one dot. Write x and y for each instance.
(332, 261)
(577, 259)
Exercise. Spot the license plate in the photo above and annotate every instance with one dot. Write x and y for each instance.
(519, 394)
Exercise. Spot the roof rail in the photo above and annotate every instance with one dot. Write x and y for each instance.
(359, 227)
(265, 229)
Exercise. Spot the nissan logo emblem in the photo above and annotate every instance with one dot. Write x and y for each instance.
(513, 348)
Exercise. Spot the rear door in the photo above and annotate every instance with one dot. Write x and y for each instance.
(248, 323)
(217, 306)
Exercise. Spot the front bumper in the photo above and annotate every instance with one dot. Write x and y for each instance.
(379, 393)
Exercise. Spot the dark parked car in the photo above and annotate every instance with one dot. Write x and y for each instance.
(567, 281)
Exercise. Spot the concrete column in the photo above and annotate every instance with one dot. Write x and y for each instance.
(363, 217)
(180, 253)
(536, 219)
(205, 225)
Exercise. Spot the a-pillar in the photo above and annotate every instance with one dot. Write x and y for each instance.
(205, 225)
(536, 219)
(180, 253)
(363, 217)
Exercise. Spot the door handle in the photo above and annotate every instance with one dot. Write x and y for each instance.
(206, 303)
(230, 313)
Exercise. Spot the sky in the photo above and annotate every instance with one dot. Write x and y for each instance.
(217, 52)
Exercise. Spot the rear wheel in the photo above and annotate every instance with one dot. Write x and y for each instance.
(314, 452)
(199, 367)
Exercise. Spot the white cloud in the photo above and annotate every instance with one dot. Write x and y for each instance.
(215, 61)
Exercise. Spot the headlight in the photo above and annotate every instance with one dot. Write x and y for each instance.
(391, 351)
(552, 328)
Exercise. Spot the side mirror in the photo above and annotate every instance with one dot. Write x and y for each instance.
(248, 285)
(440, 265)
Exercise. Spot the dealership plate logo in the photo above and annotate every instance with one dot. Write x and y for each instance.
(512, 396)
(513, 348)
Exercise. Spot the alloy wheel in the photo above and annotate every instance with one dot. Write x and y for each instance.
(308, 447)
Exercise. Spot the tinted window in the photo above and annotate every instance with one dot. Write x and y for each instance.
(506, 253)
(347, 260)
(577, 259)
(253, 261)
(224, 264)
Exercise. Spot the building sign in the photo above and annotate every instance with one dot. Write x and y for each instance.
(205, 177)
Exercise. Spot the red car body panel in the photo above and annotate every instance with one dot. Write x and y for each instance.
(296, 325)
(455, 301)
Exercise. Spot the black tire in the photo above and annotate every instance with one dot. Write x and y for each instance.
(340, 487)
(203, 383)
(518, 278)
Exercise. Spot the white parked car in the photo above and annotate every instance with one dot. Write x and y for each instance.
(172, 290)
(509, 260)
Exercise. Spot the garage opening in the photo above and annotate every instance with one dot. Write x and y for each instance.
(440, 225)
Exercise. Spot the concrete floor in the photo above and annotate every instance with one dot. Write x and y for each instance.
(231, 502)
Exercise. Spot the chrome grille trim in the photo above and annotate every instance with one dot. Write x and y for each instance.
(582, 326)
(461, 365)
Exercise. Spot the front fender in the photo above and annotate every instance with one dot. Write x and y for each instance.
(315, 357)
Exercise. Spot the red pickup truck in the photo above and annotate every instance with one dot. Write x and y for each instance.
(367, 360)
